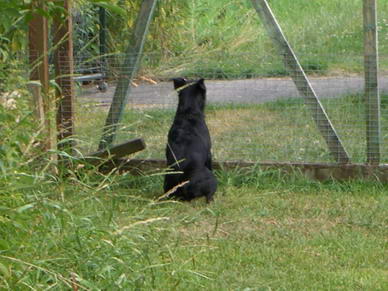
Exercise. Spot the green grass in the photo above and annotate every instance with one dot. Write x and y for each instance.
(263, 232)
(274, 131)
(70, 227)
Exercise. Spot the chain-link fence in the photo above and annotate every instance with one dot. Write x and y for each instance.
(252, 117)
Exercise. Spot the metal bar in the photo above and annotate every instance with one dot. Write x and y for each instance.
(102, 19)
(301, 81)
(128, 71)
(64, 70)
(98, 76)
(102, 36)
(372, 97)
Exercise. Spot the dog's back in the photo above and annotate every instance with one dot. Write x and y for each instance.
(188, 148)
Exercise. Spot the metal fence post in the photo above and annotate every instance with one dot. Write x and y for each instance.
(302, 83)
(103, 41)
(372, 97)
(128, 71)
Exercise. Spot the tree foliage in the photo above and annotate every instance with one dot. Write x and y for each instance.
(16, 14)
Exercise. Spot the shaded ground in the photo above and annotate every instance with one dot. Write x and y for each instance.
(236, 91)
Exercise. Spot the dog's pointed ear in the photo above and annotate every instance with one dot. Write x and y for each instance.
(179, 82)
(201, 84)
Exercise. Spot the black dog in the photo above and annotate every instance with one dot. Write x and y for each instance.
(188, 148)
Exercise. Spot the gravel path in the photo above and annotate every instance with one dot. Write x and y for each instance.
(238, 91)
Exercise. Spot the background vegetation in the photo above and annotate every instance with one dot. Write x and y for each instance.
(216, 39)
(225, 39)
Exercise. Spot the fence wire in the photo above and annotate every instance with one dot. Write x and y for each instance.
(256, 115)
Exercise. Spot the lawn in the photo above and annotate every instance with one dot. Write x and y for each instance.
(263, 232)
(279, 131)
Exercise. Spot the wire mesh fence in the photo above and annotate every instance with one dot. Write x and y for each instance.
(252, 116)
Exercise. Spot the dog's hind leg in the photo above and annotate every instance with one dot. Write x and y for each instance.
(170, 181)
(208, 162)
(209, 197)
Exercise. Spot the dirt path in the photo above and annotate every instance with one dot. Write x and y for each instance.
(238, 91)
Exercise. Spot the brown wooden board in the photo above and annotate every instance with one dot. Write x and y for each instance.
(117, 151)
(39, 67)
(38, 48)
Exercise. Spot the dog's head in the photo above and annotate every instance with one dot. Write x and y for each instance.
(192, 94)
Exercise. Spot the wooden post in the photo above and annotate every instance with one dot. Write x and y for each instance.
(301, 81)
(64, 69)
(38, 58)
(372, 97)
(37, 103)
(128, 71)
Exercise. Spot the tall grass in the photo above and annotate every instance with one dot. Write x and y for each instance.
(71, 227)
(225, 39)
(264, 231)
